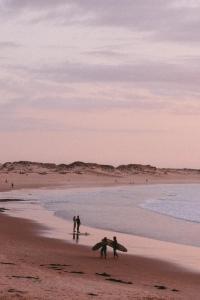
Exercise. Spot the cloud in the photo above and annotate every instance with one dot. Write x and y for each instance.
(146, 72)
(104, 53)
(164, 20)
(143, 86)
(14, 123)
(8, 45)
(17, 5)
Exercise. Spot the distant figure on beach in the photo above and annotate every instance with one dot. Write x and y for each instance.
(104, 248)
(115, 246)
(12, 185)
(78, 223)
(74, 222)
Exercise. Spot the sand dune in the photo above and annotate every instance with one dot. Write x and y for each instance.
(33, 174)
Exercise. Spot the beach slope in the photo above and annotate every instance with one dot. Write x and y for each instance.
(34, 267)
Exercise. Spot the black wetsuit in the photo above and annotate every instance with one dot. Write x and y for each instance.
(74, 220)
(104, 249)
(115, 248)
(78, 223)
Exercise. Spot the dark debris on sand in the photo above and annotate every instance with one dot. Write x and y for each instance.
(16, 291)
(103, 274)
(7, 263)
(77, 272)
(119, 280)
(2, 209)
(56, 267)
(160, 287)
(11, 200)
(25, 277)
(175, 290)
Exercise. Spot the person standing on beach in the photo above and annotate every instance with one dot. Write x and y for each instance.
(104, 248)
(115, 247)
(74, 222)
(78, 223)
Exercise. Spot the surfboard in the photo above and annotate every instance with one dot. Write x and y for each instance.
(97, 246)
(120, 247)
(109, 243)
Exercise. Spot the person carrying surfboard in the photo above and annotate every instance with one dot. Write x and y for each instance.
(104, 247)
(115, 244)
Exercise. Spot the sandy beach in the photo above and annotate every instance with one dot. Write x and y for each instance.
(40, 268)
(35, 267)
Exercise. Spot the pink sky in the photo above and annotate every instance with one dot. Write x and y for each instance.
(104, 81)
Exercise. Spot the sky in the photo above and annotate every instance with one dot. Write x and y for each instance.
(110, 81)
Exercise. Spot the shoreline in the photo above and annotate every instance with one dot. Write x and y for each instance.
(172, 281)
(145, 246)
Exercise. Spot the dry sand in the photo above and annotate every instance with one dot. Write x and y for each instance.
(34, 267)
(52, 179)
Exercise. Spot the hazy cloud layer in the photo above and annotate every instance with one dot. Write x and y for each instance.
(8, 44)
(171, 20)
(118, 67)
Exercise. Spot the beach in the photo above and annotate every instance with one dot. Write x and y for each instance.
(39, 267)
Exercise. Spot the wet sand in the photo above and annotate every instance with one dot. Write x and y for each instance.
(185, 256)
(34, 267)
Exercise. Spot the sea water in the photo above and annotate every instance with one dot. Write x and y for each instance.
(168, 212)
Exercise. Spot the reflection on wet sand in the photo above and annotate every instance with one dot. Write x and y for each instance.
(76, 237)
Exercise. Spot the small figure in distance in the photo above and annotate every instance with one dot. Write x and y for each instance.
(115, 247)
(78, 223)
(12, 185)
(74, 222)
(104, 248)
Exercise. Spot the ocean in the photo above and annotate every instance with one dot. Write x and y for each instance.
(168, 212)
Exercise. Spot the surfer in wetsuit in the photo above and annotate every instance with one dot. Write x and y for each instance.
(114, 243)
(78, 223)
(104, 248)
(74, 221)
